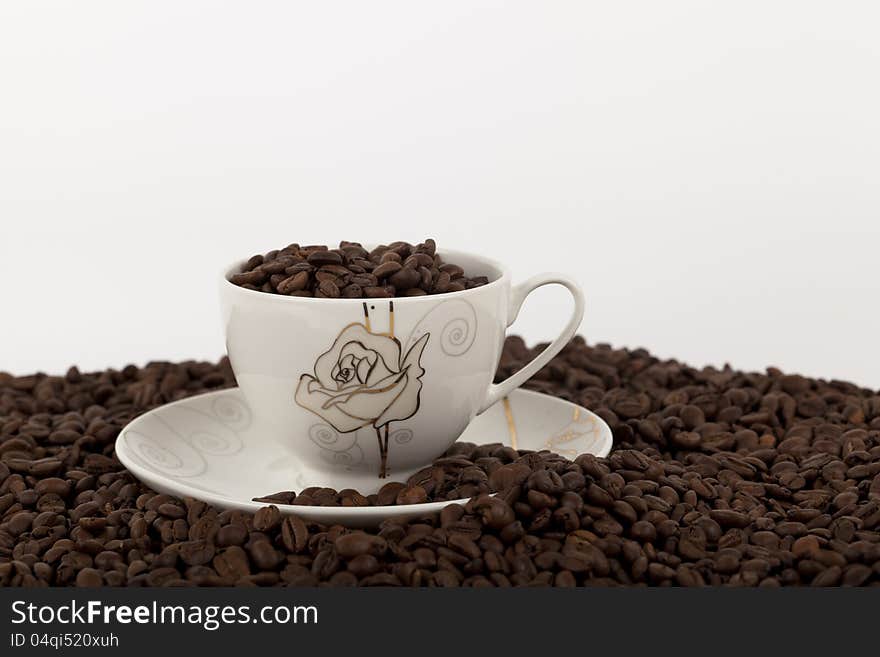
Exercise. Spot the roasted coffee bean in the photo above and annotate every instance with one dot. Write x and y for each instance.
(412, 495)
(294, 283)
(355, 544)
(231, 534)
(324, 257)
(405, 279)
(508, 476)
(253, 277)
(386, 269)
(364, 565)
(196, 553)
(351, 497)
(376, 292)
(294, 534)
(441, 283)
(169, 510)
(89, 577)
(328, 289)
(267, 518)
(298, 267)
(350, 272)
(232, 563)
(364, 280)
(264, 555)
(494, 512)
(389, 492)
(729, 518)
(643, 530)
(52, 485)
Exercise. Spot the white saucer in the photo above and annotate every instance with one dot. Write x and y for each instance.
(205, 447)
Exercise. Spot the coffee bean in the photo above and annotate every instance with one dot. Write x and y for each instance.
(232, 534)
(729, 518)
(342, 578)
(89, 577)
(464, 545)
(806, 546)
(427, 278)
(354, 544)
(363, 565)
(375, 292)
(294, 534)
(494, 512)
(441, 283)
(643, 531)
(389, 492)
(294, 283)
(727, 561)
(508, 476)
(454, 271)
(386, 269)
(827, 577)
(254, 277)
(169, 510)
(324, 257)
(412, 495)
(687, 439)
(857, 574)
(196, 553)
(405, 279)
(351, 497)
(791, 529)
(52, 485)
(264, 555)
(328, 289)
(299, 267)
(232, 563)
(364, 280)
(267, 518)
(253, 262)
(692, 416)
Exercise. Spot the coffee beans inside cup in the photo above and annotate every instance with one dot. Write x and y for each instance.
(398, 269)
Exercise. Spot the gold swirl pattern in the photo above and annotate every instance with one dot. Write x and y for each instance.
(511, 424)
(336, 448)
(579, 428)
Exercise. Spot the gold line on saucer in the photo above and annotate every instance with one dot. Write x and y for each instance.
(511, 425)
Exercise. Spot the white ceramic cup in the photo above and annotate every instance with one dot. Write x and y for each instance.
(354, 386)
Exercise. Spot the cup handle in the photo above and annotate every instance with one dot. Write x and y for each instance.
(518, 295)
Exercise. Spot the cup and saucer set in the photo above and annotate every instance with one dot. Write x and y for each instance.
(354, 393)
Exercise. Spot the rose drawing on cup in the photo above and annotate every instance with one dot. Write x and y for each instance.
(364, 379)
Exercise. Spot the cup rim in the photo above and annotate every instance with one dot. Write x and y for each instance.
(503, 276)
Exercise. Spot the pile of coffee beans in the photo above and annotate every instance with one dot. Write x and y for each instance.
(717, 477)
(398, 269)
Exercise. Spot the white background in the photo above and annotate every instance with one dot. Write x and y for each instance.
(708, 170)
